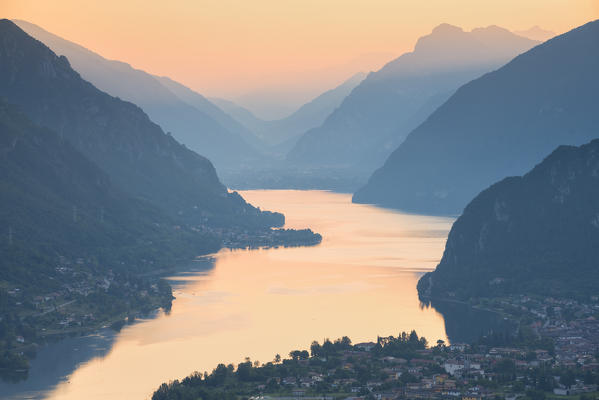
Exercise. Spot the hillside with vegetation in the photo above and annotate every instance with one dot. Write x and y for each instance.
(118, 136)
(97, 203)
(68, 235)
(538, 233)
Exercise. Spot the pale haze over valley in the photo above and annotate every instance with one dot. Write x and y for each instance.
(299, 200)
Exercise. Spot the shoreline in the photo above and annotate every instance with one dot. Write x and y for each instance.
(26, 352)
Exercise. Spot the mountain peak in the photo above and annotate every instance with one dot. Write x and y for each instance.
(451, 45)
(492, 30)
(536, 33)
(379, 113)
(445, 28)
(440, 39)
(456, 43)
(498, 125)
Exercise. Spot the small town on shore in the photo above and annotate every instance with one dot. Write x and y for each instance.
(553, 353)
(89, 298)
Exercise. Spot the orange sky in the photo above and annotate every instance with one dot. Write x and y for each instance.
(228, 48)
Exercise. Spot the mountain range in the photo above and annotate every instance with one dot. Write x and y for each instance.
(187, 115)
(139, 158)
(536, 33)
(538, 233)
(498, 125)
(282, 134)
(381, 111)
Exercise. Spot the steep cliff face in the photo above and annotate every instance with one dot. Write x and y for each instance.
(116, 135)
(536, 233)
(499, 125)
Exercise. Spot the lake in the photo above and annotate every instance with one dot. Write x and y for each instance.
(360, 282)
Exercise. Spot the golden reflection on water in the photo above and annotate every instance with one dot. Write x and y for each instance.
(360, 282)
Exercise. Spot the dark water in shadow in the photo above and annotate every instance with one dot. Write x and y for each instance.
(55, 362)
(465, 324)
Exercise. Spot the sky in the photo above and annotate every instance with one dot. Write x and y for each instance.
(248, 50)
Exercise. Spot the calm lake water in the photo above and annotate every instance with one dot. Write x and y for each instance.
(360, 282)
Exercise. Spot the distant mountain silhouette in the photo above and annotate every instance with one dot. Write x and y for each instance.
(536, 33)
(282, 134)
(309, 115)
(499, 125)
(538, 233)
(241, 114)
(191, 119)
(380, 112)
(137, 155)
(198, 101)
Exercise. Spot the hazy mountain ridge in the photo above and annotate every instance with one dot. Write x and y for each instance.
(198, 101)
(137, 155)
(309, 115)
(536, 33)
(282, 134)
(379, 113)
(499, 125)
(239, 113)
(538, 233)
(191, 118)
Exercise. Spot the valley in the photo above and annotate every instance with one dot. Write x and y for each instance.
(311, 200)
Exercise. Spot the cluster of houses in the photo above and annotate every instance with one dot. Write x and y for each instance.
(240, 238)
(459, 371)
(572, 326)
(59, 309)
(455, 372)
(78, 283)
(555, 353)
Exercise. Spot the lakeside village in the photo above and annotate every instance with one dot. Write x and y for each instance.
(240, 238)
(82, 297)
(554, 354)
